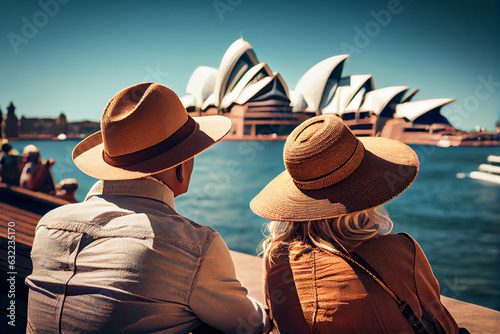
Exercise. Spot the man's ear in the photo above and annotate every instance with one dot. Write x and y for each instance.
(178, 173)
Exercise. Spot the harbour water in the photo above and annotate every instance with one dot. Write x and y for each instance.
(455, 220)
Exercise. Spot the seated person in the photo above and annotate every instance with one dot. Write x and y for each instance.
(66, 189)
(11, 165)
(36, 174)
(331, 264)
(124, 260)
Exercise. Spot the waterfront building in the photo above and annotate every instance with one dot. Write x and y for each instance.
(255, 98)
(376, 108)
(10, 126)
(315, 90)
(43, 127)
(350, 93)
(261, 106)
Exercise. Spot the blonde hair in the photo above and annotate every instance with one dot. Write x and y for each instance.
(348, 230)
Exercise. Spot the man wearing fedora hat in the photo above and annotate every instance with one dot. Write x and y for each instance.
(329, 256)
(124, 259)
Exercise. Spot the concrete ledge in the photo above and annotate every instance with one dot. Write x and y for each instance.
(475, 318)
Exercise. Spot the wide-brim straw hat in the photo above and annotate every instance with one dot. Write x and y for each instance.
(330, 172)
(145, 129)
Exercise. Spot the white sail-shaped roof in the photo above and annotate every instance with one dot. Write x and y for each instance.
(279, 88)
(253, 75)
(188, 101)
(410, 95)
(378, 99)
(237, 60)
(200, 85)
(252, 89)
(298, 101)
(209, 102)
(413, 110)
(350, 93)
(319, 83)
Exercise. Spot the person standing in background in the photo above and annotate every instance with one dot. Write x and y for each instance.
(11, 165)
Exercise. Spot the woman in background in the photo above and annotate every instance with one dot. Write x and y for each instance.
(331, 263)
(36, 174)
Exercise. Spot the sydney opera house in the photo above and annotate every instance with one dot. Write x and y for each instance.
(261, 106)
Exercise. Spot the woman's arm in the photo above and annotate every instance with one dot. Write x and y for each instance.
(428, 290)
(281, 297)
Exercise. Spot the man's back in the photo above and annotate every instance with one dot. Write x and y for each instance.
(124, 260)
(100, 267)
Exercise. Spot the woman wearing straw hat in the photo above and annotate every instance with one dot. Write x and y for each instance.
(124, 260)
(331, 264)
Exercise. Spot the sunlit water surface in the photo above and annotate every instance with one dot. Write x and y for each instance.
(455, 220)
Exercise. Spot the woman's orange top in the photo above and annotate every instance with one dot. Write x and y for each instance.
(315, 291)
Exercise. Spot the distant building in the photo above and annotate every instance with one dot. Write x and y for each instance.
(35, 126)
(61, 125)
(53, 127)
(82, 128)
(261, 106)
(10, 126)
(256, 99)
(43, 127)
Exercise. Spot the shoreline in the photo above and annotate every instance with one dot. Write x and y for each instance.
(485, 143)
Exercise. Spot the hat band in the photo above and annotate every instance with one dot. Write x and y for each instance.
(148, 153)
(336, 175)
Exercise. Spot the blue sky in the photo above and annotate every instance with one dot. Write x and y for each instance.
(72, 56)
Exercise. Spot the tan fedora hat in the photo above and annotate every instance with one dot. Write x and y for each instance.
(145, 129)
(330, 172)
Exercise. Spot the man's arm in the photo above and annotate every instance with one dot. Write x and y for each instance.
(219, 300)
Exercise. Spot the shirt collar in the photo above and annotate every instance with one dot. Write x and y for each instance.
(147, 187)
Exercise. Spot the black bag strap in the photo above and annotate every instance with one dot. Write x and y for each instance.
(404, 307)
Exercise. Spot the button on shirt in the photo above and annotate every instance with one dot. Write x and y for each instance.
(125, 261)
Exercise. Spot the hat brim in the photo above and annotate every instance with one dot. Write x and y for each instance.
(387, 169)
(88, 154)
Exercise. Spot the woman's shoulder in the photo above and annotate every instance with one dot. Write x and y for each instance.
(391, 242)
